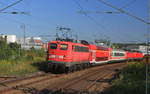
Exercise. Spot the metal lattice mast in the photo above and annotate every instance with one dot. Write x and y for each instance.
(147, 58)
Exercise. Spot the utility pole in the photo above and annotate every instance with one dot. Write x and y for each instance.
(147, 58)
(24, 34)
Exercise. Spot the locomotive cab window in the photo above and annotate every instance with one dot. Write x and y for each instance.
(53, 46)
(63, 46)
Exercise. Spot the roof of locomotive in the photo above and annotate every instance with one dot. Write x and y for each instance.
(67, 42)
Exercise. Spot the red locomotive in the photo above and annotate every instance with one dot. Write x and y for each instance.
(69, 56)
(65, 55)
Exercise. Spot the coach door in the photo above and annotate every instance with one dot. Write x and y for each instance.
(93, 52)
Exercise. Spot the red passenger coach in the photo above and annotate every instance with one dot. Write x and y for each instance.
(134, 55)
(139, 55)
(99, 54)
(63, 54)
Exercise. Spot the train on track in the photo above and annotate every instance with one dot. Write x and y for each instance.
(67, 56)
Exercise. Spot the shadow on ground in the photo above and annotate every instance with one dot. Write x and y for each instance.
(67, 91)
(43, 66)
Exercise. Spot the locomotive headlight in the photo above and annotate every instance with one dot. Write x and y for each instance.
(52, 56)
(61, 57)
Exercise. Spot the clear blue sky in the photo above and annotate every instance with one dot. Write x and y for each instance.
(45, 15)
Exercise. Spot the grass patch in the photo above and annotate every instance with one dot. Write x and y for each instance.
(130, 80)
(17, 61)
(21, 67)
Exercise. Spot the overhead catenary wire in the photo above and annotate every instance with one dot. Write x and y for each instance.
(89, 17)
(123, 11)
(4, 4)
(26, 14)
(20, 22)
(14, 12)
(1, 10)
(96, 23)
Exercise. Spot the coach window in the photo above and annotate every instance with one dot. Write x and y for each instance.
(112, 54)
(63, 46)
(53, 46)
(119, 54)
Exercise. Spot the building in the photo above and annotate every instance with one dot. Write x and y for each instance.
(144, 49)
(27, 43)
(141, 48)
(30, 42)
(9, 38)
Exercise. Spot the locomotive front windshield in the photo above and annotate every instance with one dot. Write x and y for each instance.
(63, 46)
(53, 46)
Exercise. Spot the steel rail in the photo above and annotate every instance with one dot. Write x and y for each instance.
(77, 79)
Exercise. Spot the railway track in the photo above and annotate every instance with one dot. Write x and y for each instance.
(85, 82)
(4, 78)
(54, 82)
(7, 86)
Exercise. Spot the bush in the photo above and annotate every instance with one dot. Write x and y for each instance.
(29, 57)
(130, 80)
(17, 61)
(13, 51)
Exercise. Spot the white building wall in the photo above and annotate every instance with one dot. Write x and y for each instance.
(144, 49)
(11, 38)
(29, 43)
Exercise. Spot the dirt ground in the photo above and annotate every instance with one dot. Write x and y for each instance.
(91, 80)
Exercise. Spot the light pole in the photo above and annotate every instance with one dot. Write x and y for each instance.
(24, 33)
